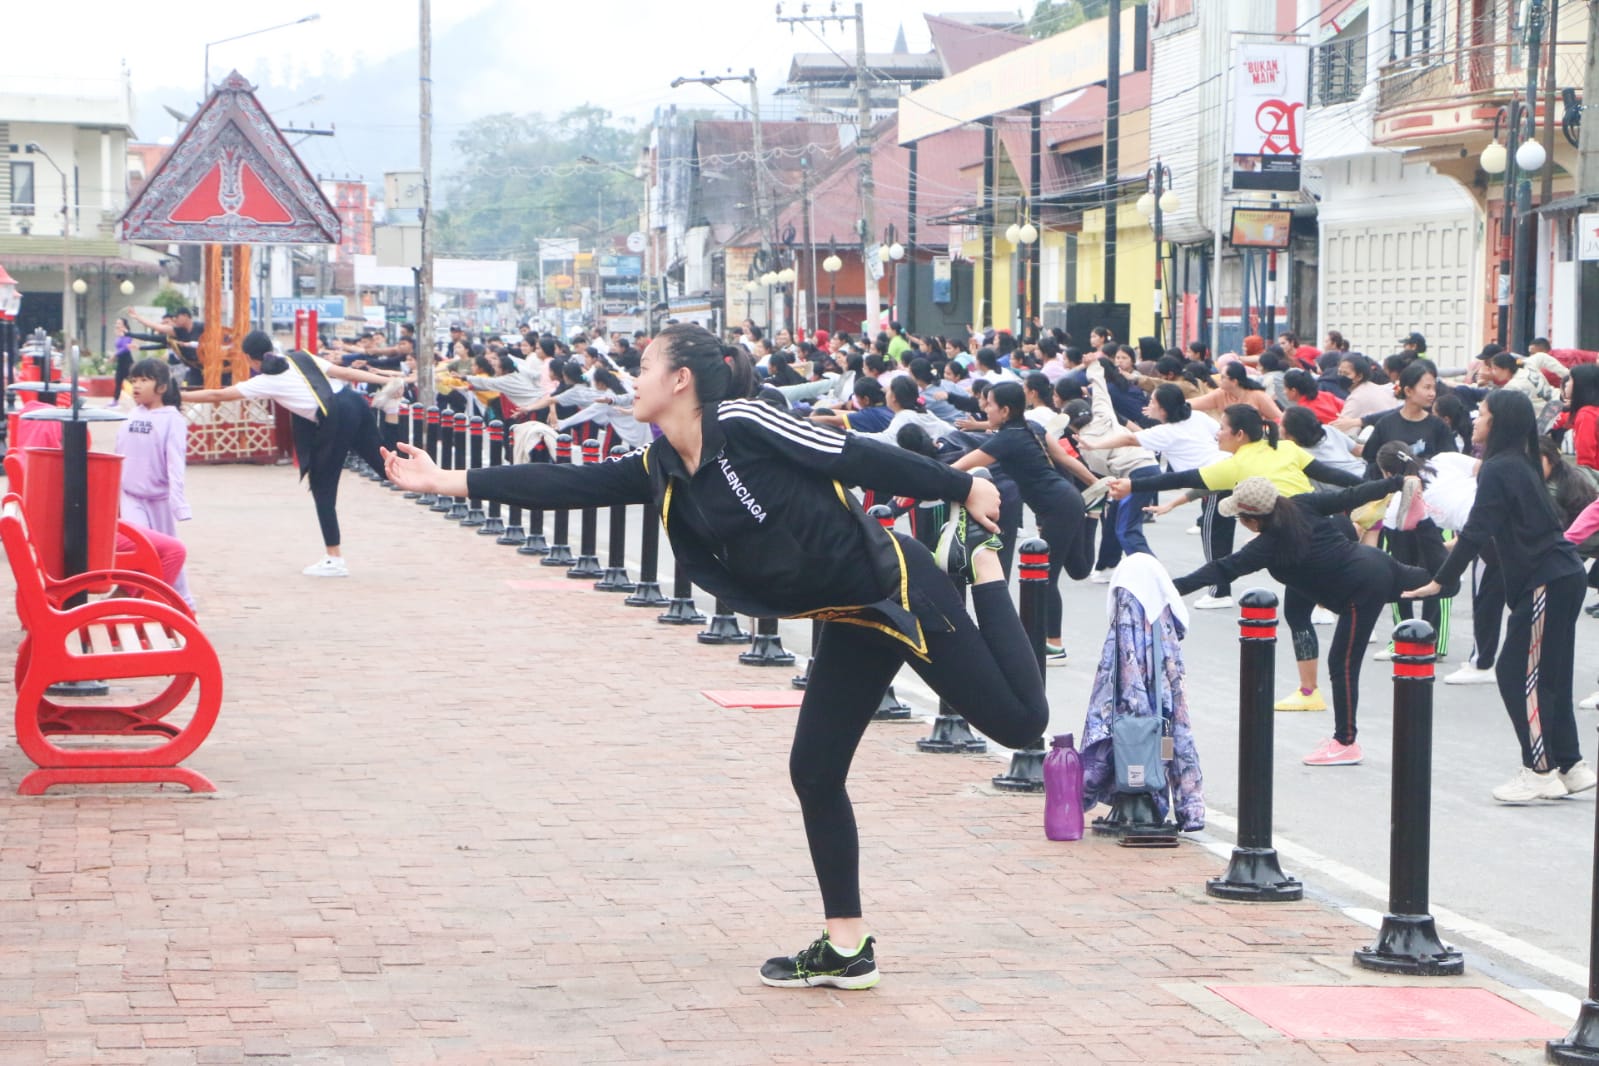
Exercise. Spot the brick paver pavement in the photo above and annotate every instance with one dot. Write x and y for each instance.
(463, 823)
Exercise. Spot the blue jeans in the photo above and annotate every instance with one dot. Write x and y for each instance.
(1130, 515)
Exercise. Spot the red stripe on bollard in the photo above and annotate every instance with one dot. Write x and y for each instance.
(1406, 648)
(1259, 613)
(1423, 671)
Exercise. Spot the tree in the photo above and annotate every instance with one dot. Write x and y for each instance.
(517, 178)
(1055, 16)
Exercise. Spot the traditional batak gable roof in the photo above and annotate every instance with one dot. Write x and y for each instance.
(231, 179)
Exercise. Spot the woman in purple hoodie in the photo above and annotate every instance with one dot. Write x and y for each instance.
(153, 445)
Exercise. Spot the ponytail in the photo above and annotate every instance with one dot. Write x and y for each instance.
(1245, 419)
(1173, 404)
(721, 372)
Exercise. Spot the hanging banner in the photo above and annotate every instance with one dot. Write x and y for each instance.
(1270, 85)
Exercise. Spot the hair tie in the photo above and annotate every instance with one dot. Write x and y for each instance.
(728, 359)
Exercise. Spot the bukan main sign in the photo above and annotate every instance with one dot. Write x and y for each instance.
(231, 178)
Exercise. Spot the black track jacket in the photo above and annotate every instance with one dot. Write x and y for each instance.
(764, 523)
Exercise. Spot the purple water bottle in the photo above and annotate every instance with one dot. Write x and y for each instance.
(1063, 791)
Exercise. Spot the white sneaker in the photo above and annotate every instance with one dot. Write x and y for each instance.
(1529, 785)
(1580, 778)
(330, 566)
(1212, 603)
(1384, 654)
(1101, 577)
(1192, 531)
(1321, 616)
(1590, 702)
(1472, 674)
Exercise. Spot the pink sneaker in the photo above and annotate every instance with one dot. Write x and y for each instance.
(1331, 753)
(1412, 506)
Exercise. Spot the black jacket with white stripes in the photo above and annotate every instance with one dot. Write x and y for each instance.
(764, 522)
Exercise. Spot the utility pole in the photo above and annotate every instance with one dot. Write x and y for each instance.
(1523, 281)
(863, 154)
(1113, 98)
(1588, 132)
(424, 287)
(758, 145)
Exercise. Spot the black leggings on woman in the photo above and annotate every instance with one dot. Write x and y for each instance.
(354, 430)
(1348, 650)
(1062, 530)
(1534, 672)
(1216, 532)
(986, 672)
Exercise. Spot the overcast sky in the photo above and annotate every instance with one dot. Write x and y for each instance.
(525, 55)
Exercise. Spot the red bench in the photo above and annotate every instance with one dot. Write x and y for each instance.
(122, 638)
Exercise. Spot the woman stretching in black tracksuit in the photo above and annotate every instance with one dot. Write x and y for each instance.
(1030, 459)
(1299, 545)
(754, 505)
(1544, 588)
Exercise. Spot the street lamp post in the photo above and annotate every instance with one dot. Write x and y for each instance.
(832, 265)
(10, 301)
(1158, 199)
(889, 253)
(33, 148)
(206, 91)
(1517, 162)
(1021, 237)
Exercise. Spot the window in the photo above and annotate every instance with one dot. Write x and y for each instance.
(21, 188)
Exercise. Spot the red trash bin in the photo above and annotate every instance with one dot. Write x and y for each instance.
(42, 501)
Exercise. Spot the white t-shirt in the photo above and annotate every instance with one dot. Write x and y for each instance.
(289, 390)
(1186, 445)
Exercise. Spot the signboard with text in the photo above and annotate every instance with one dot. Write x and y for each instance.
(327, 308)
(1270, 85)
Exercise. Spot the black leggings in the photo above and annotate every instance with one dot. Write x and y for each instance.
(1062, 529)
(986, 672)
(355, 430)
(1553, 608)
(1216, 532)
(1487, 608)
(1424, 547)
(124, 366)
(1348, 650)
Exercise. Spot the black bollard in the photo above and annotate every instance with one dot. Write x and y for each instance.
(647, 593)
(616, 579)
(680, 611)
(587, 564)
(474, 508)
(891, 708)
(1408, 940)
(446, 460)
(494, 525)
(457, 509)
(533, 542)
(402, 431)
(418, 437)
(951, 734)
(1581, 1045)
(723, 628)
(1026, 773)
(427, 499)
(559, 553)
(801, 680)
(1254, 874)
(767, 650)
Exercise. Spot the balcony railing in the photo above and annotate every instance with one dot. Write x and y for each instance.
(1489, 70)
(1337, 71)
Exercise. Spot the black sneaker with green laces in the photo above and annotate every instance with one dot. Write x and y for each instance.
(959, 543)
(822, 964)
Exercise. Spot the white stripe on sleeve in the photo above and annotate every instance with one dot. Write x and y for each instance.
(822, 439)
